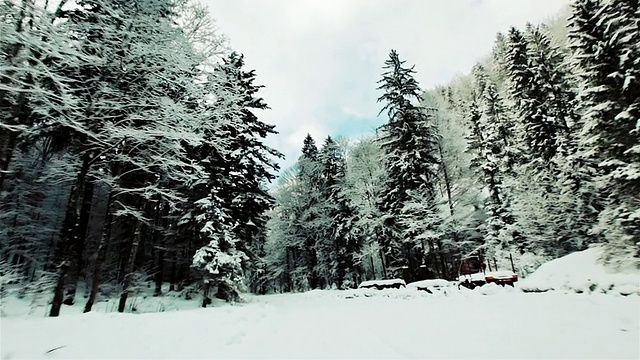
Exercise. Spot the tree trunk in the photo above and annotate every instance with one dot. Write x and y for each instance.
(227, 293)
(66, 248)
(288, 281)
(130, 262)
(373, 267)
(7, 144)
(80, 236)
(442, 261)
(161, 214)
(447, 180)
(206, 300)
(58, 292)
(8, 137)
(159, 271)
(172, 275)
(101, 255)
(384, 264)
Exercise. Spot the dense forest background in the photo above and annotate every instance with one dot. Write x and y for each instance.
(131, 153)
(532, 156)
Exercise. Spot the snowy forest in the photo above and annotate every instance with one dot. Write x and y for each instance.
(129, 150)
(132, 153)
(534, 155)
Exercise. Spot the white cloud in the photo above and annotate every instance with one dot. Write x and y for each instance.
(317, 131)
(320, 59)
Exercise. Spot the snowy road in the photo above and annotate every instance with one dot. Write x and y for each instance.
(326, 325)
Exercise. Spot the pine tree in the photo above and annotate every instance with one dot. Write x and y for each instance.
(410, 141)
(549, 69)
(139, 148)
(340, 243)
(151, 141)
(310, 217)
(499, 58)
(220, 260)
(537, 125)
(496, 162)
(605, 41)
(250, 164)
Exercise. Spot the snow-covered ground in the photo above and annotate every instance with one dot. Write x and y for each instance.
(573, 319)
(582, 272)
(327, 324)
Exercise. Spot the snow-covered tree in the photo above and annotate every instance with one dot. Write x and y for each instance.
(529, 91)
(33, 92)
(340, 246)
(410, 140)
(364, 184)
(460, 196)
(220, 259)
(495, 159)
(604, 37)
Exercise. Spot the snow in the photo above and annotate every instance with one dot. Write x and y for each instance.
(500, 274)
(472, 277)
(382, 283)
(582, 272)
(323, 324)
(35, 306)
(428, 284)
(578, 320)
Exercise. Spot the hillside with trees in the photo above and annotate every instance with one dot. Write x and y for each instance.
(532, 156)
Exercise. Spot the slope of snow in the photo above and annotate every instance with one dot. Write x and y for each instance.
(581, 272)
(323, 324)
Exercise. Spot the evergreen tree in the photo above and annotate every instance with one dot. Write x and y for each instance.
(495, 160)
(340, 243)
(605, 40)
(499, 59)
(529, 92)
(220, 260)
(249, 163)
(310, 218)
(410, 141)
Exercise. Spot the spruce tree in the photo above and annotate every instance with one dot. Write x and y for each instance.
(410, 141)
(605, 40)
(310, 218)
(529, 92)
(340, 243)
(495, 159)
(250, 165)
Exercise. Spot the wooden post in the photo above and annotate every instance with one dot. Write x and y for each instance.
(513, 268)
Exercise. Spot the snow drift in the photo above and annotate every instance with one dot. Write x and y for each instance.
(582, 272)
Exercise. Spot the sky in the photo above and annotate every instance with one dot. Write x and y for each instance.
(320, 60)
